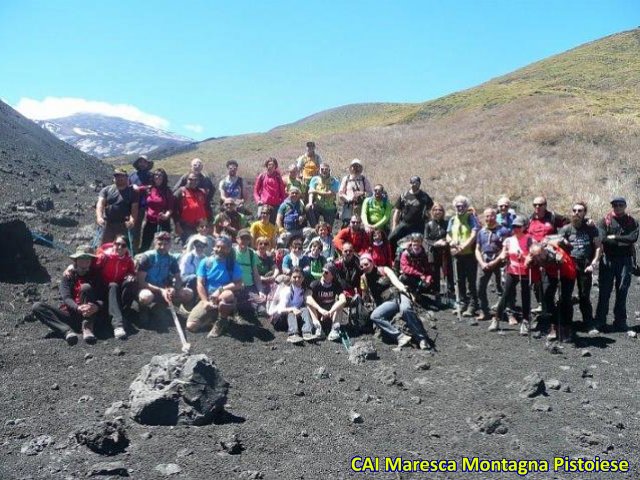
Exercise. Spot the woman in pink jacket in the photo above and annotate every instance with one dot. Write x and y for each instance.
(269, 188)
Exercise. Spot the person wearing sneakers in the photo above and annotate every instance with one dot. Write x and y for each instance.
(515, 251)
(560, 272)
(411, 212)
(325, 301)
(287, 310)
(619, 233)
(461, 235)
(375, 283)
(80, 304)
(159, 281)
(219, 280)
(488, 249)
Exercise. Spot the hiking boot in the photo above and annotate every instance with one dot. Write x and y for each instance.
(594, 332)
(309, 337)
(553, 334)
(494, 325)
(482, 317)
(469, 312)
(424, 345)
(403, 339)
(319, 333)
(494, 307)
(513, 320)
(71, 337)
(295, 339)
(119, 333)
(334, 335)
(218, 328)
(524, 327)
(538, 309)
(632, 333)
(87, 333)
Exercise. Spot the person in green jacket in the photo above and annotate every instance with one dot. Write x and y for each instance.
(376, 210)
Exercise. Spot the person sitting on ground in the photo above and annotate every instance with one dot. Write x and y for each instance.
(438, 251)
(80, 302)
(414, 265)
(204, 182)
(191, 207)
(325, 301)
(237, 221)
(515, 251)
(231, 187)
(293, 180)
(619, 233)
(355, 235)
(205, 229)
(488, 250)
(294, 257)
(266, 264)
(264, 228)
(411, 212)
(354, 188)
(376, 210)
(219, 278)
(323, 191)
(117, 207)
(269, 188)
(222, 227)
(251, 298)
(291, 216)
(190, 260)
(309, 163)
(582, 241)
(323, 233)
(160, 204)
(461, 235)
(561, 273)
(348, 270)
(314, 262)
(376, 283)
(118, 274)
(287, 308)
(159, 281)
(380, 249)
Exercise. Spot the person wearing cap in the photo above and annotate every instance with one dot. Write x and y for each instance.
(293, 180)
(376, 210)
(291, 216)
(375, 284)
(619, 234)
(323, 191)
(190, 260)
(354, 188)
(191, 207)
(117, 207)
(325, 302)
(232, 186)
(160, 205)
(269, 188)
(309, 163)
(204, 181)
(159, 281)
(411, 212)
(141, 179)
(582, 241)
(251, 297)
(515, 251)
(219, 278)
(80, 301)
(461, 235)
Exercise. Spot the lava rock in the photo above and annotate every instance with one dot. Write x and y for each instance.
(251, 475)
(36, 445)
(55, 386)
(115, 409)
(44, 204)
(63, 220)
(355, 417)
(361, 351)
(489, 423)
(532, 386)
(321, 373)
(423, 366)
(177, 390)
(167, 469)
(387, 376)
(106, 438)
(585, 353)
(232, 445)
(541, 407)
(553, 384)
(108, 468)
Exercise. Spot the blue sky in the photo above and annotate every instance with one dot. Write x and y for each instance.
(208, 68)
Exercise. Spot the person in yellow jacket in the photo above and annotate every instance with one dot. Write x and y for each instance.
(309, 163)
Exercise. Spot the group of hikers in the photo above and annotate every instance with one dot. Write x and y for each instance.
(387, 261)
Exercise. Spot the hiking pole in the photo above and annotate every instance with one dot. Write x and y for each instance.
(457, 289)
(529, 287)
(50, 243)
(97, 236)
(130, 237)
(186, 346)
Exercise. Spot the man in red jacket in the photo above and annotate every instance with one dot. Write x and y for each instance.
(353, 234)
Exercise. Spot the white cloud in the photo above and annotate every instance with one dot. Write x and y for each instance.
(57, 107)
(194, 128)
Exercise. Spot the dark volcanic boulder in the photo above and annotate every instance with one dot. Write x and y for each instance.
(105, 438)
(177, 390)
(18, 260)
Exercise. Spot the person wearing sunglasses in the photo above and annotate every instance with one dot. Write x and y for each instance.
(619, 234)
(506, 214)
(355, 235)
(582, 241)
(291, 217)
(325, 302)
(262, 227)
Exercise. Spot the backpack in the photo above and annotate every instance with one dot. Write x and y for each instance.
(232, 187)
(290, 216)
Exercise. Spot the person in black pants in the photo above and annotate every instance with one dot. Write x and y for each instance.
(435, 237)
(80, 304)
(410, 214)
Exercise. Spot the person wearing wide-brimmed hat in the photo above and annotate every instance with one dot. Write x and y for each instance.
(354, 188)
(80, 303)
